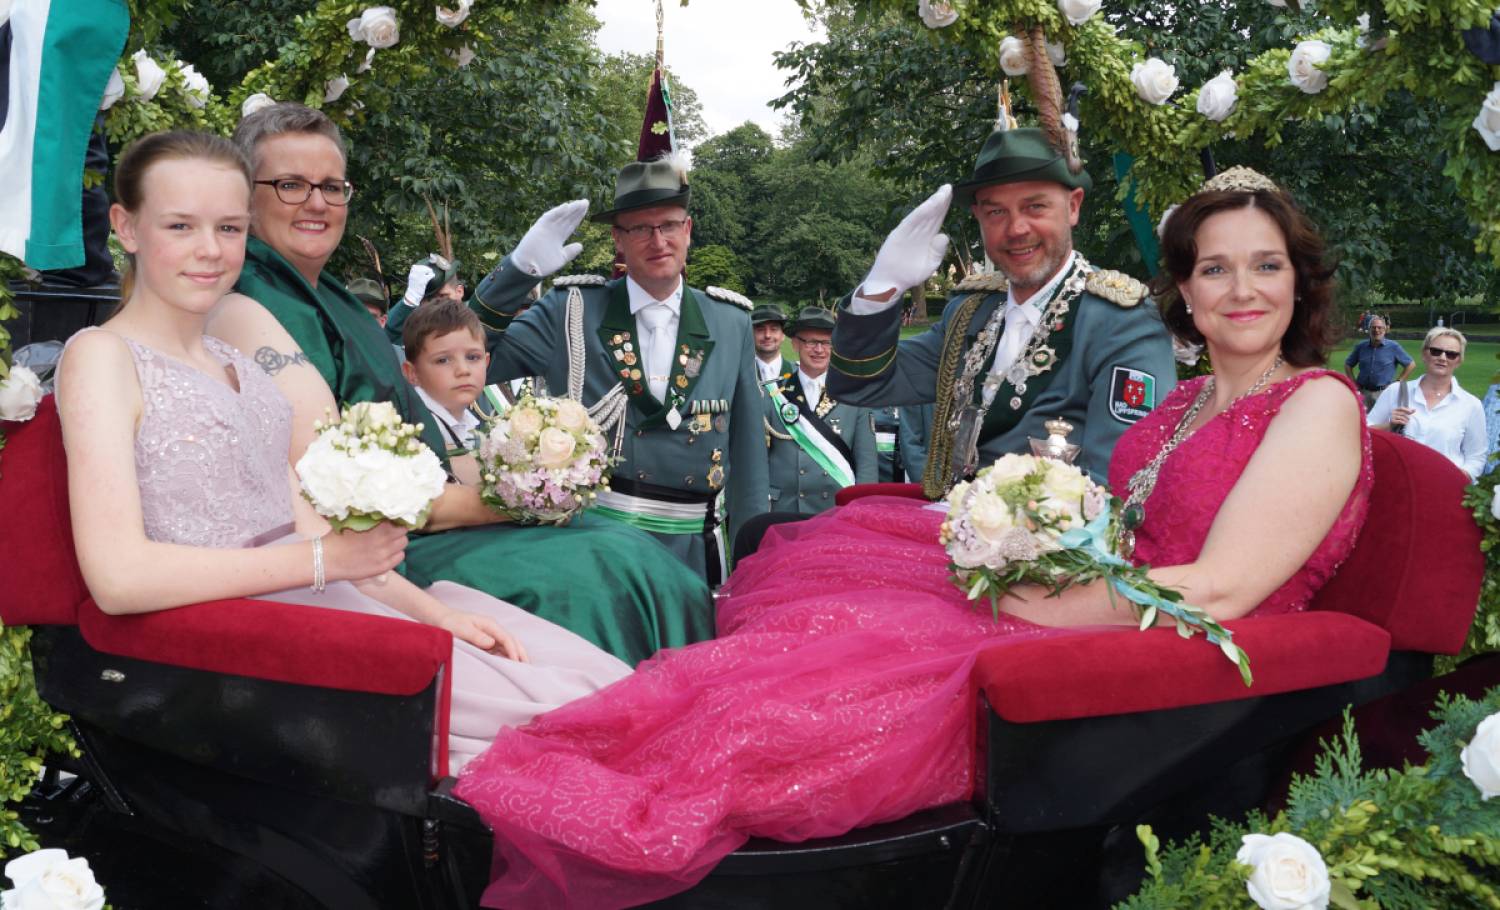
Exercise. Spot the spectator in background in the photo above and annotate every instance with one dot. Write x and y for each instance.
(431, 279)
(1440, 414)
(368, 292)
(1376, 359)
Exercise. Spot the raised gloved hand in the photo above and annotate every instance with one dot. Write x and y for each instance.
(911, 252)
(545, 249)
(416, 283)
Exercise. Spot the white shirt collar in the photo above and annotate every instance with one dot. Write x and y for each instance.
(812, 388)
(463, 424)
(769, 369)
(640, 298)
(1029, 309)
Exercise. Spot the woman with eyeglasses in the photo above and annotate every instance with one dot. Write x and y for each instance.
(1439, 413)
(605, 581)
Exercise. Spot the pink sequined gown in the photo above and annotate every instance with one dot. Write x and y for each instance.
(836, 696)
(211, 464)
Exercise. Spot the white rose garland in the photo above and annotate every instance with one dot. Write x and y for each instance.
(198, 88)
(1481, 757)
(936, 13)
(453, 18)
(1155, 80)
(1217, 98)
(1287, 873)
(376, 26)
(49, 880)
(1077, 12)
(148, 75)
(334, 88)
(254, 103)
(463, 56)
(1306, 57)
(114, 90)
(1015, 59)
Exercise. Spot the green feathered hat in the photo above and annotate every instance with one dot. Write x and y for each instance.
(1016, 155)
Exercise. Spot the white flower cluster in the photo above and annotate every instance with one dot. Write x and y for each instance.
(1481, 757)
(49, 880)
(149, 78)
(1303, 69)
(1488, 120)
(370, 466)
(1015, 59)
(453, 18)
(543, 460)
(1015, 510)
(376, 27)
(20, 392)
(936, 13)
(1155, 80)
(1077, 12)
(1286, 872)
(1217, 98)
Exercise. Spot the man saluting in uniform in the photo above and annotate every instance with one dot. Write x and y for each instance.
(1048, 336)
(818, 445)
(667, 370)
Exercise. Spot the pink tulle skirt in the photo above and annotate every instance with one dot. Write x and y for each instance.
(836, 696)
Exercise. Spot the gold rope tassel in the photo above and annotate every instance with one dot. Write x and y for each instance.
(938, 474)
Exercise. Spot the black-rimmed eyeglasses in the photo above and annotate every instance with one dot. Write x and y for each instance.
(295, 191)
(1444, 352)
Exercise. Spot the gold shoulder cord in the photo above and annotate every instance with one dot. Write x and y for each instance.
(936, 474)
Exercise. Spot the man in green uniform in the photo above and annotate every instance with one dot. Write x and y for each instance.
(1047, 336)
(433, 277)
(818, 445)
(769, 323)
(667, 370)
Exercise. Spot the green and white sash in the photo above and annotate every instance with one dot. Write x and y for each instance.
(813, 436)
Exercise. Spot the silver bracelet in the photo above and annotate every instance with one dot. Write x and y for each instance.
(319, 581)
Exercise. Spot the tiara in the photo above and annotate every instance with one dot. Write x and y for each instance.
(1239, 179)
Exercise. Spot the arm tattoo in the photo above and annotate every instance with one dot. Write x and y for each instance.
(273, 361)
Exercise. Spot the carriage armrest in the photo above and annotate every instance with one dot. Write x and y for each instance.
(1102, 672)
(861, 490)
(312, 646)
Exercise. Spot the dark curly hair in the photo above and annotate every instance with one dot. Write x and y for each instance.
(1313, 330)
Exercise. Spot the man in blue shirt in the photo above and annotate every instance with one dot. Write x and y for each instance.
(1377, 359)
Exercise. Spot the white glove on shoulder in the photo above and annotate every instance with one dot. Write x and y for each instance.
(416, 283)
(911, 252)
(545, 249)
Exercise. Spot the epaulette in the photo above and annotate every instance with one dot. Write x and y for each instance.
(568, 281)
(1116, 287)
(995, 281)
(728, 296)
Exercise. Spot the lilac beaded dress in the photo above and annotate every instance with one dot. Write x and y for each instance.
(211, 462)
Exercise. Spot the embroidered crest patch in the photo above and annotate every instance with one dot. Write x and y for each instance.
(1132, 394)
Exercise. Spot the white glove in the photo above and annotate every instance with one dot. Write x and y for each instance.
(416, 283)
(545, 249)
(912, 252)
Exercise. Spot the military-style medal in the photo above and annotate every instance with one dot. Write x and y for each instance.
(716, 473)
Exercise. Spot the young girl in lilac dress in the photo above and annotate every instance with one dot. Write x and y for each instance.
(178, 470)
(837, 694)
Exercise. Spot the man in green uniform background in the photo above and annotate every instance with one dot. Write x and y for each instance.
(1047, 336)
(668, 370)
(769, 323)
(817, 445)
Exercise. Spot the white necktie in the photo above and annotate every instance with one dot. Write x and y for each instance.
(1012, 340)
(657, 320)
(814, 390)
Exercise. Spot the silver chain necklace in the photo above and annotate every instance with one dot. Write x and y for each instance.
(1143, 482)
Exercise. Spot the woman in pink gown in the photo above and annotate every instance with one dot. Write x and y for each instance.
(178, 479)
(837, 694)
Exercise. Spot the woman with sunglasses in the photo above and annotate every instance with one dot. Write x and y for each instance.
(600, 579)
(1439, 413)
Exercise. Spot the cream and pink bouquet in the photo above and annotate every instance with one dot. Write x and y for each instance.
(543, 460)
(1031, 520)
(370, 466)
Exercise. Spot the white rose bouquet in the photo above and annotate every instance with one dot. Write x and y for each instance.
(1035, 520)
(543, 461)
(368, 467)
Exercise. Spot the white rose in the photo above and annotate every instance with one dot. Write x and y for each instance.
(114, 90)
(1077, 12)
(990, 517)
(454, 17)
(148, 75)
(326, 482)
(525, 422)
(1303, 66)
(1362, 24)
(1488, 121)
(19, 394)
(978, 553)
(936, 13)
(197, 86)
(1218, 96)
(255, 102)
(1495, 505)
(1009, 467)
(376, 27)
(1056, 53)
(400, 488)
(463, 56)
(571, 416)
(334, 88)
(1287, 872)
(1065, 481)
(369, 59)
(48, 880)
(1481, 757)
(1155, 80)
(1014, 58)
(554, 448)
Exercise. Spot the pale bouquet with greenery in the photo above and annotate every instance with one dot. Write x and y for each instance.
(370, 466)
(543, 460)
(1031, 520)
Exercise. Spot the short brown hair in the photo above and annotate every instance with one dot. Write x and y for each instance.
(279, 119)
(1313, 330)
(437, 318)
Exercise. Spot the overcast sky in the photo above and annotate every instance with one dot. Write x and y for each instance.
(719, 48)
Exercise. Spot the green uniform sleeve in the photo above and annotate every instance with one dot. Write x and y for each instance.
(501, 295)
(866, 459)
(395, 321)
(872, 367)
(914, 425)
